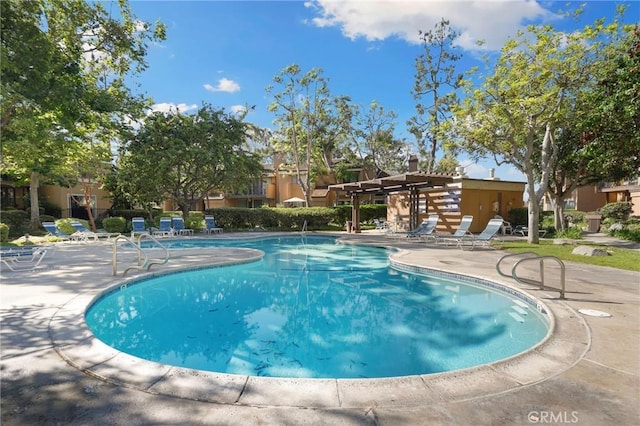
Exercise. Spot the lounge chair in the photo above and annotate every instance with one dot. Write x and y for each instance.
(381, 224)
(138, 227)
(23, 259)
(164, 228)
(210, 225)
(54, 231)
(506, 227)
(179, 228)
(425, 229)
(462, 231)
(484, 238)
(82, 230)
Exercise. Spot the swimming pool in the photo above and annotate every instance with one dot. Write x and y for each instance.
(313, 308)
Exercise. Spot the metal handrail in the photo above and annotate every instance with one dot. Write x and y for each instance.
(526, 253)
(541, 260)
(141, 264)
(304, 227)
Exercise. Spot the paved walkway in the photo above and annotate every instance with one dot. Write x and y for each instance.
(55, 372)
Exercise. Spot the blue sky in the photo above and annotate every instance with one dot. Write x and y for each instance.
(227, 52)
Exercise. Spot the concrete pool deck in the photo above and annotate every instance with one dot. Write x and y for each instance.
(55, 372)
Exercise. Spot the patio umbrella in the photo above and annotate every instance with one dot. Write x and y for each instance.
(295, 200)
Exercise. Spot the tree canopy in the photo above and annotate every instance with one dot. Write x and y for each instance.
(184, 157)
(63, 92)
(517, 112)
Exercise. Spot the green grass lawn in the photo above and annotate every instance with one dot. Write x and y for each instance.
(619, 258)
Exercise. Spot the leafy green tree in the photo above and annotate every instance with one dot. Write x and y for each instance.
(600, 134)
(309, 123)
(434, 90)
(370, 140)
(64, 65)
(184, 157)
(517, 111)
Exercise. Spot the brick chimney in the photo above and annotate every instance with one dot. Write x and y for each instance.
(413, 163)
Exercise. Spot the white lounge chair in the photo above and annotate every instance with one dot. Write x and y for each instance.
(462, 231)
(138, 227)
(23, 259)
(179, 228)
(381, 224)
(426, 228)
(164, 229)
(484, 238)
(210, 225)
(56, 232)
(82, 230)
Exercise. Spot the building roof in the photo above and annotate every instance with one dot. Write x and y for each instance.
(402, 182)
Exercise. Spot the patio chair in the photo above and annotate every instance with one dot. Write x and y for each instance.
(381, 224)
(179, 228)
(23, 259)
(164, 228)
(506, 227)
(484, 238)
(138, 227)
(462, 231)
(210, 225)
(53, 231)
(79, 227)
(425, 229)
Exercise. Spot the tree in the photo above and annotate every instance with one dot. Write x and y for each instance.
(184, 157)
(600, 134)
(516, 113)
(64, 64)
(309, 125)
(434, 90)
(370, 141)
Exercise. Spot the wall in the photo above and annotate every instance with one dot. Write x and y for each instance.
(60, 197)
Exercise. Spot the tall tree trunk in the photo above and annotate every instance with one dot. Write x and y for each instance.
(87, 205)
(558, 213)
(34, 184)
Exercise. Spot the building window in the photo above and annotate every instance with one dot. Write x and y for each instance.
(77, 207)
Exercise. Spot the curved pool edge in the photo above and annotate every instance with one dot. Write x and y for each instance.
(560, 350)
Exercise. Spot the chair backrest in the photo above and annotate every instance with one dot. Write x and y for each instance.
(491, 229)
(79, 227)
(178, 223)
(165, 224)
(137, 223)
(210, 222)
(427, 226)
(463, 228)
(51, 228)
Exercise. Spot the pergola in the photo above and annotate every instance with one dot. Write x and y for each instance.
(411, 182)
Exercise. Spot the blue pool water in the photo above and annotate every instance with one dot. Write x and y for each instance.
(314, 308)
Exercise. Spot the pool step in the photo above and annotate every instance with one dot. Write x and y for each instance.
(516, 317)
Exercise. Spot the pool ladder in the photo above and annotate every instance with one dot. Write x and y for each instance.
(530, 257)
(143, 260)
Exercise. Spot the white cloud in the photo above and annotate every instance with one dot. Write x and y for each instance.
(237, 109)
(169, 107)
(224, 85)
(492, 21)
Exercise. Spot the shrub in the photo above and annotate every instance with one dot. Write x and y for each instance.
(65, 225)
(575, 216)
(619, 210)
(572, 232)
(518, 216)
(115, 224)
(4, 233)
(17, 221)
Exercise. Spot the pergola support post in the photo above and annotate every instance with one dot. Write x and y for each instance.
(414, 205)
(355, 213)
